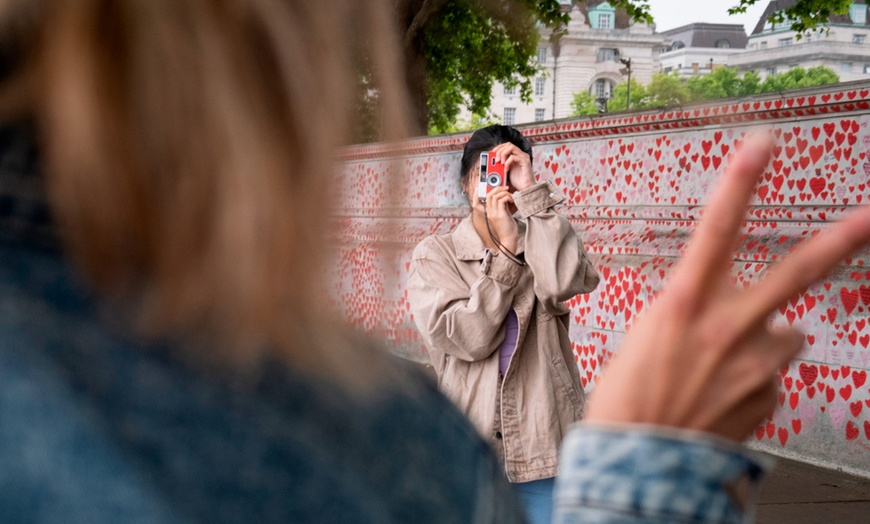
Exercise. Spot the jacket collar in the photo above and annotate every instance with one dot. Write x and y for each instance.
(468, 244)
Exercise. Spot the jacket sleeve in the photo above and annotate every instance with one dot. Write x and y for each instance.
(631, 473)
(553, 249)
(462, 321)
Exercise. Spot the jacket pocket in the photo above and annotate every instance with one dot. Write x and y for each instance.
(563, 378)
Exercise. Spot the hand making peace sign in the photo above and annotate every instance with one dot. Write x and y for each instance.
(704, 355)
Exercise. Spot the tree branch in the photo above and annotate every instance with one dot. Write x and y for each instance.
(421, 19)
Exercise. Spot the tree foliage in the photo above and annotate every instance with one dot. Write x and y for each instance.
(723, 82)
(801, 16)
(668, 90)
(619, 100)
(456, 50)
(799, 77)
(584, 104)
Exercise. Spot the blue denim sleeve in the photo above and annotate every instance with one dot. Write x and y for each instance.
(650, 474)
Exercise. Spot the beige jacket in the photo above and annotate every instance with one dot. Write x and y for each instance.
(460, 293)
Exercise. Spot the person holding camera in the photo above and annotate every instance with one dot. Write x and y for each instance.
(488, 299)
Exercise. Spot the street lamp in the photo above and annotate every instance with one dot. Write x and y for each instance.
(627, 71)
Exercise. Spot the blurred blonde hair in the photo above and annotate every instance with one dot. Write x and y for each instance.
(189, 148)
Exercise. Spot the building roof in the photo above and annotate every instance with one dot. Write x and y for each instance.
(779, 5)
(622, 20)
(708, 35)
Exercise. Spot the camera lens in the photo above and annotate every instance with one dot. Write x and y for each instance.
(493, 180)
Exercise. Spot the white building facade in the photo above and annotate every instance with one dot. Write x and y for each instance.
(697, 49)
(844, 47)
(600, 41)
(589, 57)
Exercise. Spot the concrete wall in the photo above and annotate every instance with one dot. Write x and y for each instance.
(634, 187)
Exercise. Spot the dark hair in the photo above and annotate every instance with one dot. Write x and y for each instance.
(485, 139)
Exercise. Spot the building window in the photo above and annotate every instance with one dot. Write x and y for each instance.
(608, 54)
(605, 21)
(858, 39)
(763, 45)
(669, 70)
(540, 86)
(510, 116)
(542, 55)
(602, 88)
(866, 68)
(753, 47)
(846, 67)
(723, 44)
(771, 71)
(539, 114)
(510, 90)
(785, 42)
(858, 13)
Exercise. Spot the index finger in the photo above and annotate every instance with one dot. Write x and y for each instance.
(809, 262)
(505, 150)
(709, 251)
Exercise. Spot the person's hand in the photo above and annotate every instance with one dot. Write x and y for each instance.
(517, 166)
(704, 355)
(499, 211)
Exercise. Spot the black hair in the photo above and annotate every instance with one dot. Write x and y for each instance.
(485, 139)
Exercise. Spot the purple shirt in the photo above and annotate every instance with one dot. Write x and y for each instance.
(509, 344)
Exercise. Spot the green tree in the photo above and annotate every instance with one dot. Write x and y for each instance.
(670, 90)
(749, 84)
(666, 90)
(723, 82)
(583, 104)
(455, 51)
(798, 77)
(619, 100)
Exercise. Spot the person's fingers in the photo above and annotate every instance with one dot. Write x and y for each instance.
(509, 154)
(738, 422)
(809, 262)
(737, 375)
(496, 198)
(505, 150)
(710, 248)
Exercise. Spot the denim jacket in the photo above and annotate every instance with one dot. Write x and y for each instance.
(637, 474)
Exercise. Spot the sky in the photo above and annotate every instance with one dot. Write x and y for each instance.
(669, 14)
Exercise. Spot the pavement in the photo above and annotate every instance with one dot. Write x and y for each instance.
(798, 493)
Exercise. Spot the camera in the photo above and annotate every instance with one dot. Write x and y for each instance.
(492, 175)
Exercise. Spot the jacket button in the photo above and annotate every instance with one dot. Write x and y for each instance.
(498, 435)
